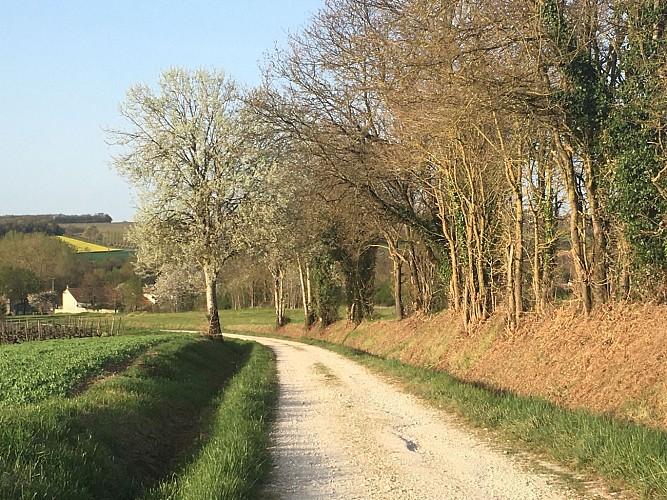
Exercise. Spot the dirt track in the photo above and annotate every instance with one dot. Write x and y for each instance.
(343, 433)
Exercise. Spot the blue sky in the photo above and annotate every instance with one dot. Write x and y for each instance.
(66, 65)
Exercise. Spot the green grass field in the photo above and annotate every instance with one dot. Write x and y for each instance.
(196, 320)
(172, 416)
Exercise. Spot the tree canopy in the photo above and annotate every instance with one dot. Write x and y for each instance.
(505, 155)
(185, 150)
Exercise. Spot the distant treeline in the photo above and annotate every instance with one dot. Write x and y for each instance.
(48, 223)
(81, 219)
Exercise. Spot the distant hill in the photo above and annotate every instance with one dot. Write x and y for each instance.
(55, 218)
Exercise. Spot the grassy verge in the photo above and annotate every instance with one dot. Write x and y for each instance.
(628, 455)
(130, 432)
(234, 460)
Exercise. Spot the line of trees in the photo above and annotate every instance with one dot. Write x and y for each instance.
(467, 136)
(503, 152)
(48, 224)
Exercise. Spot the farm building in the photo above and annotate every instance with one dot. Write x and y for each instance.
(77, 300)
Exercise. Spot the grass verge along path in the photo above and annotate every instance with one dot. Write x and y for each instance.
(234, 460)
(133, 433)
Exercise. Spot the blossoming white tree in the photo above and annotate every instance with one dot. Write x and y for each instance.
(185, 153)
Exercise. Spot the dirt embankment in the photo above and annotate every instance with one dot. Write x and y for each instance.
(613, 362)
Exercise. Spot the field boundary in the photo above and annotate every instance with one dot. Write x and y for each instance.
(29, 330)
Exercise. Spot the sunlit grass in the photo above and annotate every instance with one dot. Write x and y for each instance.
(234, 461)
(172, 410)
(196, 320)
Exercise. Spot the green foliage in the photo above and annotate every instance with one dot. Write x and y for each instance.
(44, 256)
(327, 288)
(46, 224)
(356, 267)
(131, 294)
(17, 283)
(384, 294)
(636, 202)
(585, 96)
(634, 140)
(359, 273)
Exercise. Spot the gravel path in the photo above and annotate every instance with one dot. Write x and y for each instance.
(344, 433)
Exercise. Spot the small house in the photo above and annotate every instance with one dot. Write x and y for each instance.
(89, 299)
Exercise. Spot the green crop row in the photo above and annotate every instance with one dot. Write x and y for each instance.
(34, 371)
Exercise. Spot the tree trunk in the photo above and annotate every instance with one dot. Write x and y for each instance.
(600, 285)
(518, 252)
(576, 228)
(278, 294)
(398, 278)
(515, 263)
(397, 274)
(414, 279)
(214, 329)
(448, 227)
(304, 278)
(309, 289)
(454, 286)
(511, 305)
(537, 266)
(544, 208)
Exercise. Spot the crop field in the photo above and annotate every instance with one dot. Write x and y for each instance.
(86, 246)
(34, 371)
(111, 233)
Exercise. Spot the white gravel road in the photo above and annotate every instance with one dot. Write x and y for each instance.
(344, 433)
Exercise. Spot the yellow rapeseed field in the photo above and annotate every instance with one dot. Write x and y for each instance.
(85, 246)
